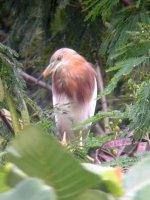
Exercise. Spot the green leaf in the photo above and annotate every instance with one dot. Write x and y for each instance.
(143, 193)
(111, 178)
(13, 175)
(138, 178)
(95, 195)
(3, 185)
(40, 155)
(30, 189)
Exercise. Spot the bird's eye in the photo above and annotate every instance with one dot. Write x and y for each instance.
(59, 58)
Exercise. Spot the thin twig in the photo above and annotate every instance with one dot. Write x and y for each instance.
(30, 79)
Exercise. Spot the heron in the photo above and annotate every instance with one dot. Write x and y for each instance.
(74, 91)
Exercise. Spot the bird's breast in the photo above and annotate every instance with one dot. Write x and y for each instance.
(68, 114)
(77, 84)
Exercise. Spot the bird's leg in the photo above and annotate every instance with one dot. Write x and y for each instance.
(64, 140)
(81, 140)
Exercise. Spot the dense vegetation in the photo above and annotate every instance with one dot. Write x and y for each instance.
(115, 37)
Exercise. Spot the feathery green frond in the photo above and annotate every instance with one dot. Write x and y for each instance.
(120, 27)
(96, 8)
(139, 113)
(125, 68)
(9, 74)
(115, 114)
(13, 86)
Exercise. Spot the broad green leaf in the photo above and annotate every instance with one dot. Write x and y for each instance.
(95, 195)
(3, 185)
(14, 175)
(143, 193)
(40, 155)
(140, 193)
(137, 176)
(111, 178)
(30, 189)
(10, 175)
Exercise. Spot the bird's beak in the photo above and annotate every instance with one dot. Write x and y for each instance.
(49, 69)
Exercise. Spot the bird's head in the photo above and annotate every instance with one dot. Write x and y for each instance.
(72, 75)
(58, 60)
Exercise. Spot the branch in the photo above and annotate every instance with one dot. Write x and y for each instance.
(30, 79)
(101, 89)
(103, 99)
(128, 2)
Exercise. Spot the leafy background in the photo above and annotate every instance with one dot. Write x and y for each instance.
(115, 37)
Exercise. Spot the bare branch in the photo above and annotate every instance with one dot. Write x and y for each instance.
(30, 79)
(101, 89)
(103, 99)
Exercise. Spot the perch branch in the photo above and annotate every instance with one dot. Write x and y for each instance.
(30, 79)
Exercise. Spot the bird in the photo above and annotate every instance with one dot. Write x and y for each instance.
(74, 91)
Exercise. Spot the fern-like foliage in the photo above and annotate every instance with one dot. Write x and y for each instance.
(118, 20)
(115, 114)
(138, 40)
(26, 20)
(126, 49)
(120, 26)
(9, 74)
(138, 112)
(96, 8)
(13, 87)
(134, 54)
(125, 68)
